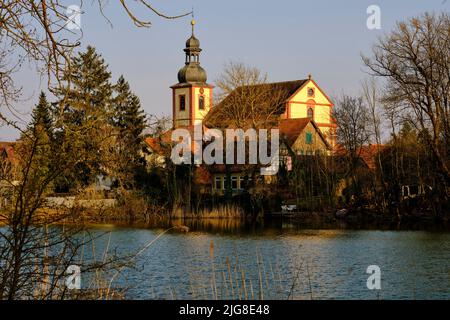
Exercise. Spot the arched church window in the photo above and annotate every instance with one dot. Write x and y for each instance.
(310, 113)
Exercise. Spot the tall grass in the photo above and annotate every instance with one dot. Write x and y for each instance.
(224, 211)
(229, 279)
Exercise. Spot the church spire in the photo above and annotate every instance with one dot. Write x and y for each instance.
(192, 96)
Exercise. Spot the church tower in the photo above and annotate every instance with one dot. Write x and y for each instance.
(191, 96)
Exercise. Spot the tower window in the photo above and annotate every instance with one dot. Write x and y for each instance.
(201, 102)
(182, 102)
(310, 113)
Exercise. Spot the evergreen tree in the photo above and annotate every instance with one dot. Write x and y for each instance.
(37, 140)
(84, 112)
(129, 121)
(41, 118)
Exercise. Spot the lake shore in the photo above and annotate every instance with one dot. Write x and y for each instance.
(362, 219)
(354, 219)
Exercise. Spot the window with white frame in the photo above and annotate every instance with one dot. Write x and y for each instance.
(241, 183)
(234, 182)
(218, 183)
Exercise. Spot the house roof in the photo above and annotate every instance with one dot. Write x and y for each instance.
(290, 129)
(287, 88)
(202, 175)
(155, 144)
(279, 91)
(7, 150)
(367, 154)
(162, 144)
(233, 168)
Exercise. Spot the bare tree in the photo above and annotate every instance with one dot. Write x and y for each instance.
(415, 61)
(352, 117)
(245, 99)
(353, 132)
(158, 125)
(34, 252)
(371, 97)
(36, 32)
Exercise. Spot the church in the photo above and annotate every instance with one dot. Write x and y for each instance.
(303, 117)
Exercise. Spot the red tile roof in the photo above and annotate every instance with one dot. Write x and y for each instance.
(162, 144)
(290, 129)
(7, 150)
(368, 154)
(155, 144)
(202, 175)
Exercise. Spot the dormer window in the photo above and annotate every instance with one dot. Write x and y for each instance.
(309, 138)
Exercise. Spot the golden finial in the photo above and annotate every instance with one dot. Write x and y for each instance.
(192, 24)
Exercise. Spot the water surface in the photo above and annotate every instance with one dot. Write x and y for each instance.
(284, 261)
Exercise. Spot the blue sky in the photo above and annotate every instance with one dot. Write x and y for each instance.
(288, 39)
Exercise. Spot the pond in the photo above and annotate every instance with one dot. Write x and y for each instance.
(279, 261)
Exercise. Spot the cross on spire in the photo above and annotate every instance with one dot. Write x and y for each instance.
(193, 20)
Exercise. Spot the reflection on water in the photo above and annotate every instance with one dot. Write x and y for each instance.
(226, 259)
(278, 226)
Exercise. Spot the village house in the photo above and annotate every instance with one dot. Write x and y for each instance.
(8, 171)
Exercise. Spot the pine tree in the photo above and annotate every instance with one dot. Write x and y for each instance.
(84, 112)
(130, 121)
(41, 118)
(37, 140)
